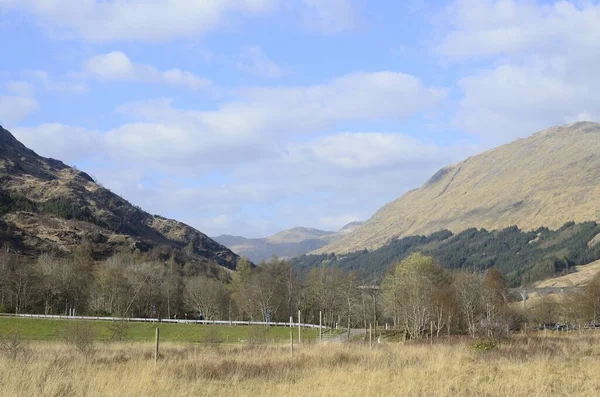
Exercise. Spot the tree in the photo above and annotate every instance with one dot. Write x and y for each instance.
(591, 299)
(410, 292)
(266, 287)
(207, 296)
(65, 281)
(110, 290)
(469, 289)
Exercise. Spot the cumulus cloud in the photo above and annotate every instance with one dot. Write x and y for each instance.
(330, 16)
(246, 152)
(20, 88)
(254, 61)
(543, 72)
(67, 143)
(258, 121)
(15, 108)
(139, 20)
(240, 128)
(71, 87)
(117, 66)
(356, 151)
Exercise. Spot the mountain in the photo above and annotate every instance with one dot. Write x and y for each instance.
(47, 206)
(285, 244)
(546, 180)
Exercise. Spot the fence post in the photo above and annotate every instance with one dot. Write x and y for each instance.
(292, 336)
(370, 335)
(431, 331)
(299, 329)
(320, 326)
(156, 345)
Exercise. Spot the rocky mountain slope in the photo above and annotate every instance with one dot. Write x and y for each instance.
(285, 244)
(46, 206)
(547, 180)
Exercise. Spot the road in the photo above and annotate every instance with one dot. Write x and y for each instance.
(341, 338)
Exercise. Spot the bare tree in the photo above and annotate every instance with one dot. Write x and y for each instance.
(207, 296)
(111, 290)
(470, 292)
(410, 293)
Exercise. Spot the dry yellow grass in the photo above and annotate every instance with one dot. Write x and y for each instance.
(524, 366)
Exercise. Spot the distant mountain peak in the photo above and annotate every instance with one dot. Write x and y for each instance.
(288, 243)
(350, 227)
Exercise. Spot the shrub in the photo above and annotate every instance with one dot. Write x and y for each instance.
(13, 346)
(119, 330)
(483, 345)
(81, 336)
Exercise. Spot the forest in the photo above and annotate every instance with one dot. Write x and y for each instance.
(522, 257)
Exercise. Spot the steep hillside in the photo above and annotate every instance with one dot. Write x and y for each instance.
(546, 180)
(47, 206)
(285, 244)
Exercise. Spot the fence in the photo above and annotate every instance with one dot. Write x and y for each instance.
(161, 320)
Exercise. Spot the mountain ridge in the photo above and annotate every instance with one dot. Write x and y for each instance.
(285, 244)
(46, 206)
(548, 179)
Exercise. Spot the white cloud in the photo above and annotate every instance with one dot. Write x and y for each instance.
(544, 71)
(248, 142)
(355, 151)
(20, 88)
(62, 142)
(258, 119)
(137, 20)
(330, 16)
(69, 87)
(492, 27)
(254, 61)
(116, 66)
(16, 108)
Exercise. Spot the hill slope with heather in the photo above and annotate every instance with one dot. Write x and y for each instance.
(48, 206)
(546, 180)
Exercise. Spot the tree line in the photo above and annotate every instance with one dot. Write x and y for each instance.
(137, 285)
(418, 297)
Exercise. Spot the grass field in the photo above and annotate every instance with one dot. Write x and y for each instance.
(523, 366)
(54, 330)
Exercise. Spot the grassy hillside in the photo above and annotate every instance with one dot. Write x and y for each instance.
(546, 180)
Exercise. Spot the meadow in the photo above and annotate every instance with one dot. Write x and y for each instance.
(54, 330)
(525, 365)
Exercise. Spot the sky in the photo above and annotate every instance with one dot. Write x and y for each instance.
(247, 117)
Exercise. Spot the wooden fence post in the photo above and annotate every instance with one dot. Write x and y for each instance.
(299, 329)
(156, 345)
(292, 336)
(431, 331)
(320, 326)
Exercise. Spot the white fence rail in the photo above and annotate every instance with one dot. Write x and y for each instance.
(161, 320)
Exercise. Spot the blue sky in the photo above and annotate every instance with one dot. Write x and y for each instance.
(250, 116)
